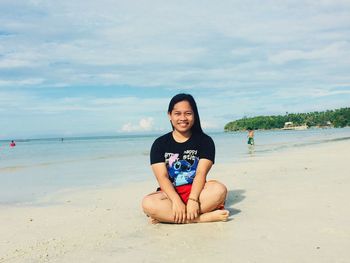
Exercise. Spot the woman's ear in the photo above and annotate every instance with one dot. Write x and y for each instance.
(169, 116)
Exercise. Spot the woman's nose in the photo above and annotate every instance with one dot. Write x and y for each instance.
(183, 117)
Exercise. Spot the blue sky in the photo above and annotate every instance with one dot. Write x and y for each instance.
(70, 68)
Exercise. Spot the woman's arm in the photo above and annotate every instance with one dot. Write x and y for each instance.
(179, 208)
(193, 207)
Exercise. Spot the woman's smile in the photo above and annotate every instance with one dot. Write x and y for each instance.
(182, 117)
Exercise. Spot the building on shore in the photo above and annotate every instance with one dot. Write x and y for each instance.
(290, 126)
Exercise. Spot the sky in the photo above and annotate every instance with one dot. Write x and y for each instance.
(105, 67)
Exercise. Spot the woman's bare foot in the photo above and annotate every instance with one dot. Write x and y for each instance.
(153, 221)
(213, 216)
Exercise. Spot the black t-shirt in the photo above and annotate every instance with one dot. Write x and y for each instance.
(182, 159)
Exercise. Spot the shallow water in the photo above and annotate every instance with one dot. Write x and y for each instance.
(37, 167)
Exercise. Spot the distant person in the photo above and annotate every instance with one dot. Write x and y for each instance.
(250, 136)
(181, 160)
(12, 144)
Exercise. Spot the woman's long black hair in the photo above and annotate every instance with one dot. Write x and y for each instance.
(196, 128)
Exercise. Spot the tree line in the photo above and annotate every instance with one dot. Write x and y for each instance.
(331, 118)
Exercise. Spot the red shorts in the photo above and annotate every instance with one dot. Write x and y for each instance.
(183, 191)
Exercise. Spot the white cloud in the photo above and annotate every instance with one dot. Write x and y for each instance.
(145, 124)
(318, 92)
(21, 82)
(128, 127)
(172, 45)
(206, 124)
(14, 63)
(333, 51)
(98, 65)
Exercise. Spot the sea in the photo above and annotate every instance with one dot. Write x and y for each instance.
(35, 168)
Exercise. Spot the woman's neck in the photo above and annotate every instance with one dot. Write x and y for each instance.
(181, 136)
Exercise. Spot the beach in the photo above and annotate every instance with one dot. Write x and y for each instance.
(285, 206)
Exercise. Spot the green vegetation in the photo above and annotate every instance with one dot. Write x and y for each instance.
(330, 118)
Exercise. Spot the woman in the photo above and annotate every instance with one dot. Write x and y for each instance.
(181, 160)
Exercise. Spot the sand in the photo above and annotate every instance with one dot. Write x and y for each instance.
(290, 206)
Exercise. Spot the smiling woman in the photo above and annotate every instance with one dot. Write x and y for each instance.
(181, 161)
(182, 119)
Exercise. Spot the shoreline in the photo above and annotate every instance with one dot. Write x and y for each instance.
(289, 206)
(252, 152)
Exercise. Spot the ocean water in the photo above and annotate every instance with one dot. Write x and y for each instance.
(35, 168)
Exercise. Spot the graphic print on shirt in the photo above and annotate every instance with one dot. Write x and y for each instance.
(183, 171)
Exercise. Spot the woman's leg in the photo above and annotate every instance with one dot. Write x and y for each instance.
(159, 207)
(212, 196)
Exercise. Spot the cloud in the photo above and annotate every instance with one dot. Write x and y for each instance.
(331, 52)
(14, 63)
(21, 82)
(311, 93)
(105, 67)
(145, 124)
(217, 46)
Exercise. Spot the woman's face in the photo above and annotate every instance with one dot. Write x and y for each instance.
(182, 116)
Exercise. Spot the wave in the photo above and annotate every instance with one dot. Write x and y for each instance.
(277, 147)
(15, 168)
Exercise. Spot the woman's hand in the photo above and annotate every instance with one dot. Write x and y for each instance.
(192, 209)
(179, 211)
